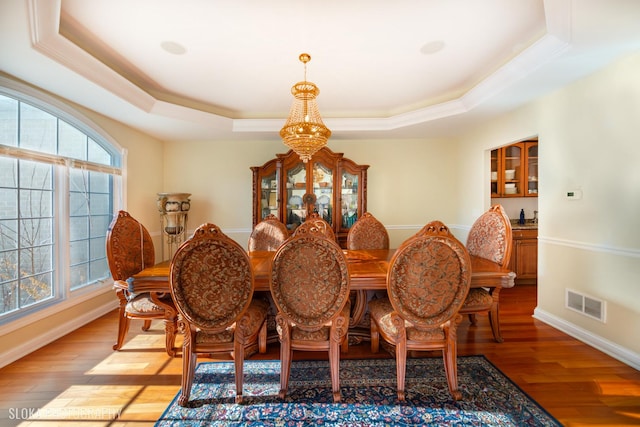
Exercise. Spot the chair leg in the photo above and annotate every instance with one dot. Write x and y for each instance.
(375, 337)
(123, 328)
(473, 319)
(238, 361)
(334, 366)
(189, 359)
(285, 355)
(494, 321)
(262, 338)
(401, 367)
(146, 325)
(170, 329)
(450, 355)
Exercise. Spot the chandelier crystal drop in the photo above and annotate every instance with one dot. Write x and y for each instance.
(304, 132)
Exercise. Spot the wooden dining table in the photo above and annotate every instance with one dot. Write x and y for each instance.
(367, 272)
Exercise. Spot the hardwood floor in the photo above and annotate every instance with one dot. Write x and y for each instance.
(79, 380)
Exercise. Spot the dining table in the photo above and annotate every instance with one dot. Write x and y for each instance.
(367, 272)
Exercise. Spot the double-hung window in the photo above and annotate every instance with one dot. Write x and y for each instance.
(60, 178)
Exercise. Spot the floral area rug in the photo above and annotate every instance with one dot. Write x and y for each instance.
(369, 396)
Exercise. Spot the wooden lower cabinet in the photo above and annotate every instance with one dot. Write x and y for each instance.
(524, 256)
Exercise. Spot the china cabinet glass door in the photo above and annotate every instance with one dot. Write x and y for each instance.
(323, 191)
(296, 211)
(495, 167)
(513, 168)
(532, 168)
(269, 195)
(349, 199)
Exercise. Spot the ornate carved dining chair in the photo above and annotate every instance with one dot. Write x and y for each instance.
(310, 287)
(314, 220)
(130, 250)
(489, 238)
(268, 234)
(366, 233)
(427, 283)
(212, 285)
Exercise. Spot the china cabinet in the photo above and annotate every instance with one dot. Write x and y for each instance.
(514, 170)
(330, 184)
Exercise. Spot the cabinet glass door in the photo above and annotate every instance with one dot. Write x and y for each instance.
(495, 165)
(349, 199)
(532, 169)
(296, 211)
(269, 195)
(323, 190)
(513, 170)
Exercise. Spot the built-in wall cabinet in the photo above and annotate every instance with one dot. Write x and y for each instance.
(524, 255)
(514, 170)
(330, 184)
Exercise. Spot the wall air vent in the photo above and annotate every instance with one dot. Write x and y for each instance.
(587, 305)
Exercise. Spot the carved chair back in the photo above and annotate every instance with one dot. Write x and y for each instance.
(367, 233)
(429, 278)
(129, 247)
(490, 236)
(268, 234)
(315, 221)
(211, 279)
(310, 279)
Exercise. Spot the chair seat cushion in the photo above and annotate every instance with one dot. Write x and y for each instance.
(380, 310)
(256, 313)
(321, 334)
(141, 304)
(299, 334)
(477, 299)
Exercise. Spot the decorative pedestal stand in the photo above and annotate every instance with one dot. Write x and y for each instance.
(173, 208)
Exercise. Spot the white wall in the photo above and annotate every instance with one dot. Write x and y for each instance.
(588, 136)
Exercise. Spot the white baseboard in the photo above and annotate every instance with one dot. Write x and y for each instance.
(614, 350)
(53, 334)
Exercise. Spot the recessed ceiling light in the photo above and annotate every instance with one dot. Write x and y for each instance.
(173, 47)
(432, 47)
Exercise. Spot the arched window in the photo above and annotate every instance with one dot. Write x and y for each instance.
(60, 177)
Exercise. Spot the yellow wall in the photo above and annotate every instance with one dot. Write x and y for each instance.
(408, 185)
(588, 134)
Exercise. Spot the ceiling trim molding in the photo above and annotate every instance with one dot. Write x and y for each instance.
(44, 17)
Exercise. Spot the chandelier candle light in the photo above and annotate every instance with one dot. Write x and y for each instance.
(304, 132)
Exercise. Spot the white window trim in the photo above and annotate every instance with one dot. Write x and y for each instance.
(63, 111)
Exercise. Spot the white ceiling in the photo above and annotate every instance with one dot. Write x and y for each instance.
(209, 69)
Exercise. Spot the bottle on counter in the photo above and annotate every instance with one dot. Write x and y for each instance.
(521, 221)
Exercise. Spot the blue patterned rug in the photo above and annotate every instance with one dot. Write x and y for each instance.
(368, 396)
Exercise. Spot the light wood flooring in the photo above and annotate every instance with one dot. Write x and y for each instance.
(79, 380)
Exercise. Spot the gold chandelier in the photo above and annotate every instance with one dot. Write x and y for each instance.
(304, 132)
